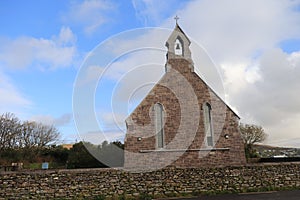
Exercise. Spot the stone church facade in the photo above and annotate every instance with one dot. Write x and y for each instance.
(182, 122)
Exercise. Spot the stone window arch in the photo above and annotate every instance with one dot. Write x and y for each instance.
(178, 46)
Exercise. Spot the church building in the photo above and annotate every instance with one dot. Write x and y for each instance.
(182, 122)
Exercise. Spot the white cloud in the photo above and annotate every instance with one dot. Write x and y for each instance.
(66, 36)
(260, 81)
(89, 14)
(272, 100)
(112, 129)
(241, 31)
(50, 120)
(91, 74)
(112, 121)
(294, 59)
(12, 100)
(153, 12)
(148, 11)
(285, 132)
(99, 137)
(134, 54)
(43, 53)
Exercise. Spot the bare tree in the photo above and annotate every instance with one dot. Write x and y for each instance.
(17, 134)
(10, 127)
(252, 134)
(45, 134)
(38, 134)
(26, 140)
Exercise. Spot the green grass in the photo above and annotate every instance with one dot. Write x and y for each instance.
(33, 166)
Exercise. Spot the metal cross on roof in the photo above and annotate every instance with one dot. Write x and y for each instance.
(176, 18)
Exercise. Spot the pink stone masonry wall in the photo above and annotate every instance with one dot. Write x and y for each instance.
(182, 94)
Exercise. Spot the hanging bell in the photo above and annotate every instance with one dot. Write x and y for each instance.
(177, 46)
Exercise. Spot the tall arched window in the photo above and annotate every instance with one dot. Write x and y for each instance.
(178, 48)
(208, 124)
(159, 123)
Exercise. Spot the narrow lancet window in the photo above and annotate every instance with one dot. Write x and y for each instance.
(159, 123)
(208, 124)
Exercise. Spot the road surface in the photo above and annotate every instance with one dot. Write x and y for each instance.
(282, 195)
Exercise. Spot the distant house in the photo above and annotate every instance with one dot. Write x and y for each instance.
(67, 146)
(182, 122)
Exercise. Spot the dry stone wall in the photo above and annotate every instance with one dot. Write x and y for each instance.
(111, 183)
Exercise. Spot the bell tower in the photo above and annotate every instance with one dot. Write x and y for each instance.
(178, 45)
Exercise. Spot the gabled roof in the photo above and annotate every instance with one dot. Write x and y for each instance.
(178, 31)
(178, 28)
(215, 93)
(178, 35)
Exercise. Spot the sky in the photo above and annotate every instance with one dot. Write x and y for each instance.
(47, 45)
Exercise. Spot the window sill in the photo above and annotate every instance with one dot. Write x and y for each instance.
(184, 150)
